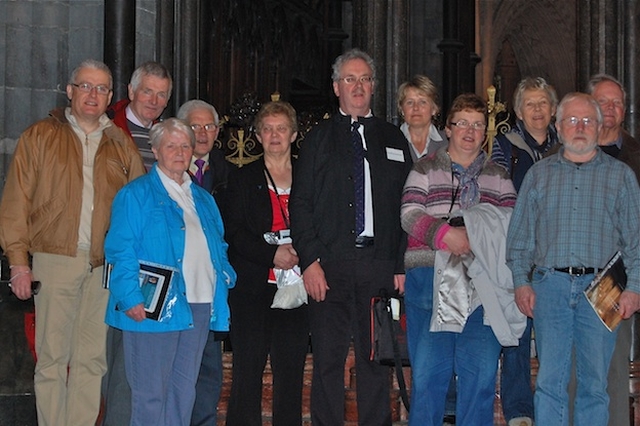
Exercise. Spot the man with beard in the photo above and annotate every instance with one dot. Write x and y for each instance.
(591, 208)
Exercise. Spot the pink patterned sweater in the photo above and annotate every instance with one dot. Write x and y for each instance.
(426, 199)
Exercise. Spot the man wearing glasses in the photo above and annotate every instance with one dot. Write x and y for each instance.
(345, 225)
(209, 169)
(56, 206)
(617, 142)
(590, 208)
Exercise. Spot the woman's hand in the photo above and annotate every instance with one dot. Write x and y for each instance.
(137, 313)
(457, 241)
(285, 257)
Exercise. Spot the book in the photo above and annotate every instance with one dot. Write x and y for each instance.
(603, 293)
(155, 280)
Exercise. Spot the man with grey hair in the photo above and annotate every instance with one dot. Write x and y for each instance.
(149, 93)
(208, 169)
(345, 225)
(591, 209)
(56, 206)
(617, 142)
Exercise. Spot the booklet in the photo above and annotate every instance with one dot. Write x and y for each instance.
(604, 291)
(155, 280)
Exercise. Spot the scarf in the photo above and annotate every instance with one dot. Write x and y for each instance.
(468, 180)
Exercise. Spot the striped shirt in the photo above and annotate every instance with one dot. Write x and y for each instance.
(570, 214)
(427, 198)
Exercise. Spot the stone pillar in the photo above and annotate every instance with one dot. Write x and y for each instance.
(451, 47)
(187, 50)
(607, 43)
(119, 43)
(397, 64)
(165, 46)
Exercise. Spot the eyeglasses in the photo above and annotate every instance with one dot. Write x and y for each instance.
(464, 125)
(207, 127)
(350, 79)
(586, 121)
(88, 87)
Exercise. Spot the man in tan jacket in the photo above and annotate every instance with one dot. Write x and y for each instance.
(56, 206)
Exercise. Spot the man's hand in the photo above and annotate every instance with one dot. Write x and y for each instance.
(314, 282)
(398, 282)
(526, 300)
(285, 257)
(137, 313)
(457, 241)
(629, 303)
(21, 278)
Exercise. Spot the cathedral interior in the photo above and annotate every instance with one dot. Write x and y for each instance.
(237, 54)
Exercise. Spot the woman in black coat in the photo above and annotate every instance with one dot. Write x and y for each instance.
(256, 202)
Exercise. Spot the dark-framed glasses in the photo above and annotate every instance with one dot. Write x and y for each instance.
(101, 89)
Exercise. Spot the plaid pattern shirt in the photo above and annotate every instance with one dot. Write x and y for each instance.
(570, 214)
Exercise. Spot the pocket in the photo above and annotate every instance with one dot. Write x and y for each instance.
(539, 274)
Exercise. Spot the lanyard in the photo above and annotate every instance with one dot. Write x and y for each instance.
(285, 216)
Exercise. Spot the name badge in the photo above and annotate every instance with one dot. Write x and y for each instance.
(395, 154)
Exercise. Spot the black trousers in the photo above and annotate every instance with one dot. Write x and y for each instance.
(342, 315)
(256, 332)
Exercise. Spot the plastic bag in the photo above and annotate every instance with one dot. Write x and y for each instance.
(291, 292)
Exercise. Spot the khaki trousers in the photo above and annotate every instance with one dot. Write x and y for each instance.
(70, 339)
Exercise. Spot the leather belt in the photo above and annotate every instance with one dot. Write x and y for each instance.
(577, 270)
(362, 242)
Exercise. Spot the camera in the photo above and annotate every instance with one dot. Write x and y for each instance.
(278, 238)
(456, 221)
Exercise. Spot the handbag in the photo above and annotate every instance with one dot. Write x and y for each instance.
(389, 336)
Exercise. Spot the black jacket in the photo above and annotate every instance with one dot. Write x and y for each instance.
(322, 197)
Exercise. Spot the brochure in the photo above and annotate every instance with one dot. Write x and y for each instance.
(604, 291)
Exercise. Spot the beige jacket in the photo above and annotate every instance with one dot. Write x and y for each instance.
(40, 207)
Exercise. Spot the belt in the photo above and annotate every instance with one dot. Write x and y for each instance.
(362, 242)
(577, 270)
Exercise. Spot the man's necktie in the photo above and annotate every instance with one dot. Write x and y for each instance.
(358, 176)
(200, 165)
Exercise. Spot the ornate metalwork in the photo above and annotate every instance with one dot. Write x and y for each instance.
(493, 109)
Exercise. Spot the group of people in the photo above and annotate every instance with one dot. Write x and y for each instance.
(484, 247)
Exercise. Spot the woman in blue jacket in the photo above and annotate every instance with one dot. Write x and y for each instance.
(164, 220)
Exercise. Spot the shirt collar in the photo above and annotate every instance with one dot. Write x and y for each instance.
(132, 118)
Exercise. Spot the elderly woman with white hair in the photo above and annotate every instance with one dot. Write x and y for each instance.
(163, 220)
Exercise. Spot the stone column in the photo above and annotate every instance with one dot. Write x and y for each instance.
(165, 46)
(187, 51)
(119, 43)
(451, 47)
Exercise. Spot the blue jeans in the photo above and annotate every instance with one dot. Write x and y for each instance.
(564, 321)
(472, 355)
(209, 384)
(162, 369)
(515, 379)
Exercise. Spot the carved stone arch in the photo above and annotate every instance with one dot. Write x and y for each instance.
(542, 34)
